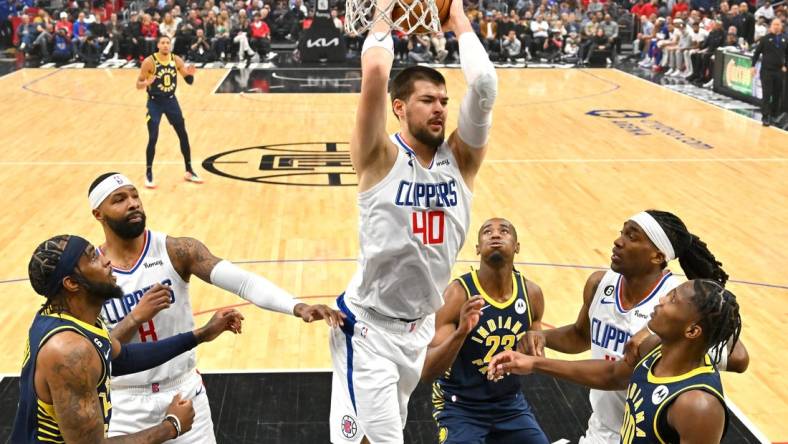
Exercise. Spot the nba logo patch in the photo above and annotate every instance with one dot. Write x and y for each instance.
(349, 427)
(519, 306)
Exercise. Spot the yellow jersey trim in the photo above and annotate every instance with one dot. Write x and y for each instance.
(465, 286)
(708, 368)
(674, 395)
(489, 299)
(100, 331)
(169, 62)
(527, 300)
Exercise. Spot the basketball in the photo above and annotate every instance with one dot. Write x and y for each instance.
(444, 6)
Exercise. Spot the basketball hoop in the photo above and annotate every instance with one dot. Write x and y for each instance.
(409, 16)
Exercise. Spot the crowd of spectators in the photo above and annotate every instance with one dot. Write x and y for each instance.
(202, 31)
(682, 41)
(671, 35)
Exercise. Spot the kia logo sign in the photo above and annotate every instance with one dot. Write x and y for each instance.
(322, 42)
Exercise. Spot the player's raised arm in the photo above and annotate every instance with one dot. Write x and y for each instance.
(572, 338)
(370, 150)
(133, 358)
(192, 257)
(593, 373)
(469, 141)
(187, 71)
(145, 79)
(453, 322)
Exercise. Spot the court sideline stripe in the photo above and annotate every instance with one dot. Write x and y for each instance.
(463, 261)
(494, 161)
(747, 423)
(221, 80)
(696, 99)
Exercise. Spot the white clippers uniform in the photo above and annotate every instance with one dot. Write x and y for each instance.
(140, 400)
(611, 328)
(411, 227)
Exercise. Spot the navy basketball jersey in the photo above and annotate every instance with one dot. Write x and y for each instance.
(649, 397)
(36, 421)
(165, 75)
(500, 327)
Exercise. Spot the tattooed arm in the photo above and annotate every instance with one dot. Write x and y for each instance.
(191, 257)
(67, 371)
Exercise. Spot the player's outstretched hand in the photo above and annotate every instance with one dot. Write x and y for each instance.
(534, 343)
(227, 319)
(190, 70)
(457, 17)
(310, 313)
(184, 410)
(156, 299)
(470, 312)
(509, 362)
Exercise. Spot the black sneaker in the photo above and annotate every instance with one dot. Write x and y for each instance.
(765, 122)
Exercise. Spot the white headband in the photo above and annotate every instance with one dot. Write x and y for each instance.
(106, 187)
(655, 232)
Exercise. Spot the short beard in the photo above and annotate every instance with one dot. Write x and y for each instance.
(100, 291)
(427, 138)
(495, 258)
(125, 229)
(423, 135)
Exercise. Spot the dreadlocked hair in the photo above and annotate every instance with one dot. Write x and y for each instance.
(41, 266)
(694, 256)
(719, 316)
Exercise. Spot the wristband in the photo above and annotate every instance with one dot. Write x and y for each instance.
(378, 40)
(172, 419)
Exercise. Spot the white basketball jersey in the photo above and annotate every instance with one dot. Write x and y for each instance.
(152, 267)
(411, 227)
(611, 328)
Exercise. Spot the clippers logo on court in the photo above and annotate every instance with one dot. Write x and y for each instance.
(639, 123)
(299, 164)
(659, 394)
(349, 427)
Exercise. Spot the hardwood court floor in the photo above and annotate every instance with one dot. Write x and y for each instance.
(565, 178)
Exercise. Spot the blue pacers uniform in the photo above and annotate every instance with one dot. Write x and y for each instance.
(649, 397)
(161, 93)
(36, 421)
(468, 408)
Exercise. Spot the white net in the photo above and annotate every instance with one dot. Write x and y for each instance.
(408, 16)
